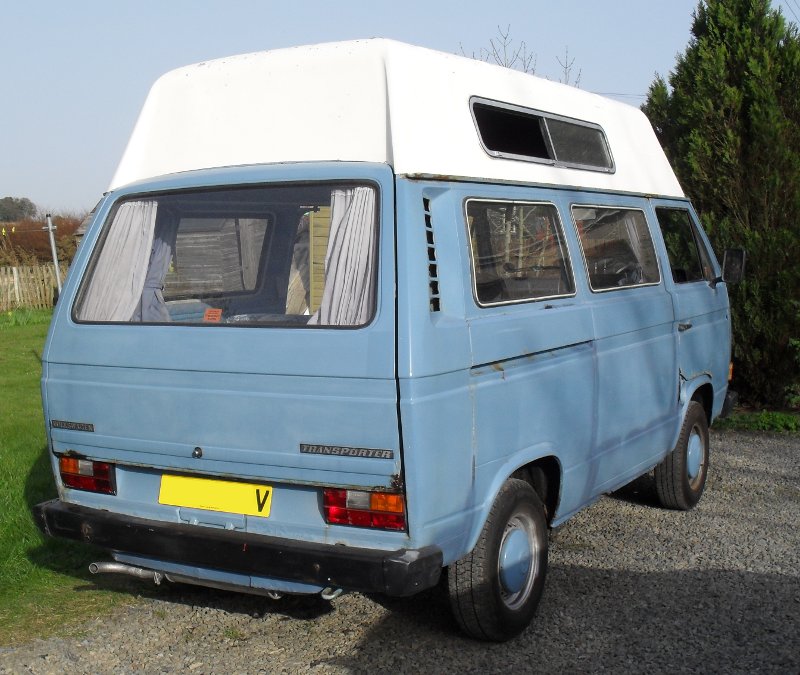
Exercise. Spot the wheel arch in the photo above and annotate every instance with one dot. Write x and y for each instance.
(703, 393)
(540, 467)
(544, 476)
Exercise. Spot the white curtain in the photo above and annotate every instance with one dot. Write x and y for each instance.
(251, 235)
(349, 293)
(118, 278)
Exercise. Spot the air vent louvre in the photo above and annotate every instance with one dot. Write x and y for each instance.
(433, 266)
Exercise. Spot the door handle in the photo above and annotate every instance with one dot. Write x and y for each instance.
(684, 326)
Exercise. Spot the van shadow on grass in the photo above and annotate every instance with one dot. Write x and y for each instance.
(71, 559)
(61, 556)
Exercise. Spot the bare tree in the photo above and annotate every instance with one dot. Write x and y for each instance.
(502, 51)
(566, 67)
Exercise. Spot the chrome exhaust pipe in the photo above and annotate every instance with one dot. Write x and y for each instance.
(130, 570)
(328, 593)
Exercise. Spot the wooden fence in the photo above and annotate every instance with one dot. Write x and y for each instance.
(31, 287)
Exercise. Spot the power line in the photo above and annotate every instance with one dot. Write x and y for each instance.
(794, 14)
(614, 93)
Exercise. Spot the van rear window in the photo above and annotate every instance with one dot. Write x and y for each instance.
(288, 255)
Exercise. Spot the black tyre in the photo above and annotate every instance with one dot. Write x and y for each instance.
(681, 477)
(494, 591)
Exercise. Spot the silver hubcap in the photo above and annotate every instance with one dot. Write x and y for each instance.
(695, 458)
(518, 560)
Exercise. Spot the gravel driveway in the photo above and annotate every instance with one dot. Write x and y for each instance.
(631, 589)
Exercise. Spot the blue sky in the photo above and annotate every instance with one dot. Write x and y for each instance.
(75, 74)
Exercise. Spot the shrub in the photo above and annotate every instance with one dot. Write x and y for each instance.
(27, 243)
(730, 123)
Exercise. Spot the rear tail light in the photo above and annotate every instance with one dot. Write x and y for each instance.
(382, 510)
(85, 474)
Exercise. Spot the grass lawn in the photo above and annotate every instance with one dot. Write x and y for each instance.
(44, 584)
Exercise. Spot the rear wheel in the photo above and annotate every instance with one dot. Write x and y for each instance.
(681, 477)
(494, 591)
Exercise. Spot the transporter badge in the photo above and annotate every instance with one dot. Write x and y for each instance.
(342, 451)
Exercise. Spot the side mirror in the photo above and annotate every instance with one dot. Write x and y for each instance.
(733, 265)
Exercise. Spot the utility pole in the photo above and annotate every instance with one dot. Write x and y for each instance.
(50, 229)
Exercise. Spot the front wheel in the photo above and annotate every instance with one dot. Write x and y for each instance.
(681, 477)
(494, 591)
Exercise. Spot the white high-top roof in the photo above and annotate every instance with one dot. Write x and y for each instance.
(374, 101)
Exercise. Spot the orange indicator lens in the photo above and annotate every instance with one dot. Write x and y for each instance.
(383, 501)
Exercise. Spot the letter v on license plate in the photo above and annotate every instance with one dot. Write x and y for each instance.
(251, 499)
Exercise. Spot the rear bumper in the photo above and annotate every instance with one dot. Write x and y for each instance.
(399, 573)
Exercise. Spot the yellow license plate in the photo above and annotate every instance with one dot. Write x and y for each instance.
(216, 495)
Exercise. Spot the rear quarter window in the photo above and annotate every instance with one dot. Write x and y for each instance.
(518, 252)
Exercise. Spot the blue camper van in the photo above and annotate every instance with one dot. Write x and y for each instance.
(363, 316)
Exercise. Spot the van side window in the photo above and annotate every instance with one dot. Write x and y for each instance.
(617, 247)
(514, 132)
(518, 252)
(293, 255)
(688, 258)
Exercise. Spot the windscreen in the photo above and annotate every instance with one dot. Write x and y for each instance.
(288, 255)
